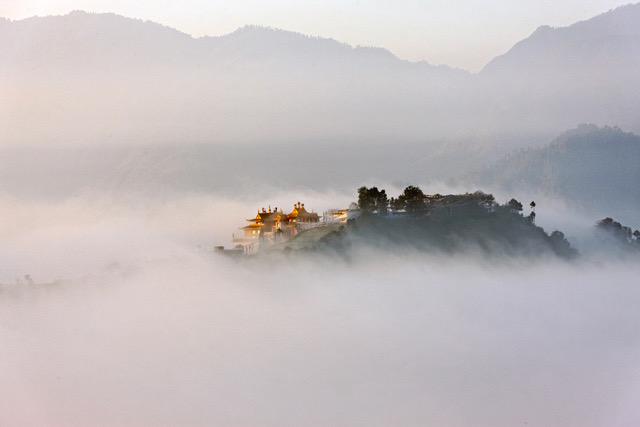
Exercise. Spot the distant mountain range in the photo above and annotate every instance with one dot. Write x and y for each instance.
(588, 167)
(101, 78)
(115, 103)
(585, 73)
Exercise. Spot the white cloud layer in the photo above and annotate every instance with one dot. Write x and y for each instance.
(168, 336)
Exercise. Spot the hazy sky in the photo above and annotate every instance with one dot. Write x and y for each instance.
(459, 33)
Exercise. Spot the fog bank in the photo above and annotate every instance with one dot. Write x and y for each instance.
(133, 321)
(385, 340)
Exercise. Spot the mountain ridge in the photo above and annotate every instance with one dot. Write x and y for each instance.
(91, 79)
(110, 28)
(619, 22)
(628, 15)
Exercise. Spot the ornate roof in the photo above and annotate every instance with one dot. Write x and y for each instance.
(299, 212)
(265, 216)
(269, 218)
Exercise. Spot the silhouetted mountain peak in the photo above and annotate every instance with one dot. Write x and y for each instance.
(88, 39)
(596, 37)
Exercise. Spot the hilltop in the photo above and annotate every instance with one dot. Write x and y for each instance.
(449, 224)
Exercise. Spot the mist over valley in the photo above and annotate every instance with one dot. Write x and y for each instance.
(128, 150)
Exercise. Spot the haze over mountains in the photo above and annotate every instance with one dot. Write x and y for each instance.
(139, 82)
(93, 91)
(128, 149)
(585, 73)
(588, 167)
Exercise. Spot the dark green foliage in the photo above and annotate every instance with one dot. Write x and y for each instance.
(515, 205)
(460, 223)
(532, 218)
(485, 198)
(455, 223)
(501, 233)
(396, 205)
(560, 244)
(614, 227)
(413, 201)
(621, 234)
(372, 200)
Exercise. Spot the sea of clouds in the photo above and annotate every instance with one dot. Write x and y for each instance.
(128, 318)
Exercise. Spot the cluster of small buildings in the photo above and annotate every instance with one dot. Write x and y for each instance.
(271, 226)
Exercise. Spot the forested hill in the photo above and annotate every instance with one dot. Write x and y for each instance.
(470, 223)
(588, 166)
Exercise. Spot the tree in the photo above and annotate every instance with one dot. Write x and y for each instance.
(515, 205)
(622, 232)
(561, 245)
(484, 198)
(372, 200)
(395, 204)
(382, 202)
(605, 223)
(532, 217)
(413, 200)
(365, 203)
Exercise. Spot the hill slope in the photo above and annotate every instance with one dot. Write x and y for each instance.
(465, 229)
(584, 73)
(589, 166)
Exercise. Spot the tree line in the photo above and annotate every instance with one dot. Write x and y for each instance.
(414, 201)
